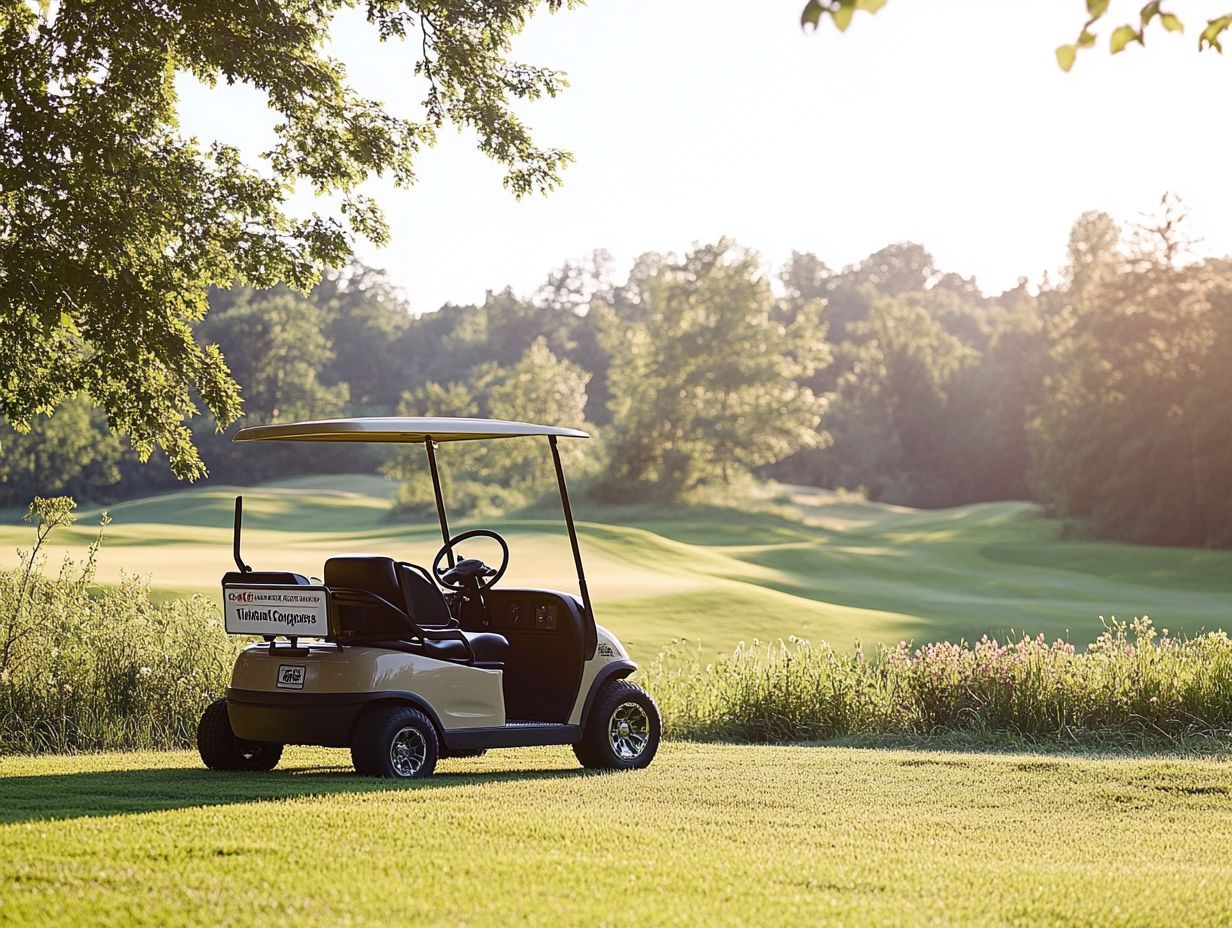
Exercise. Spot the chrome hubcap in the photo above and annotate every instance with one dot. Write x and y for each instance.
(629, 731)
(407, 752)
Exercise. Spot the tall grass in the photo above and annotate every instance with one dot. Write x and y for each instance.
(1133, 684)
(87, 668)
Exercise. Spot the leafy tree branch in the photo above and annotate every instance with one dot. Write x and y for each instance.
(114, 223)
(1120, 37)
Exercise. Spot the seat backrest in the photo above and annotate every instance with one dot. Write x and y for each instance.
(374, 574)
(427, 603)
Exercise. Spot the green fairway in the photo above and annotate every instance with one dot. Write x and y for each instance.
(709, 835)
(794, 562)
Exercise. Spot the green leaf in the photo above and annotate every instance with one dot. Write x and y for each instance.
(842, 17)
(1210, 35)
(1122, 36)
(1086, 40)
(1149, 11)
(1171, 23)
(1097, 8)
(1066, 55)
(811, 15)
(871, 6)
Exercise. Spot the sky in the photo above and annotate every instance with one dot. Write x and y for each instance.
(944, 122)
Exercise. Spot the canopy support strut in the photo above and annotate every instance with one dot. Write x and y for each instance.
(573, 540)
(440, 499)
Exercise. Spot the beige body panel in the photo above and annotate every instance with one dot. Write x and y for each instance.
(607, 650)
(462, 696)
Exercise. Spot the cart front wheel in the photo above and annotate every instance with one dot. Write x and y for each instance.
(623, 729)
(221, 750)
(395, 741)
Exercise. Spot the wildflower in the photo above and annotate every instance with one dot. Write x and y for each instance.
(145, 671)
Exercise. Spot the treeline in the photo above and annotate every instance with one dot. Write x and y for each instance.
(1102, 394)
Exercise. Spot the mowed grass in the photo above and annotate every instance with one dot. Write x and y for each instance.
(708, 835)
(794, 561)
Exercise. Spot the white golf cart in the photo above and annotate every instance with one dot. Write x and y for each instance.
(379, 658)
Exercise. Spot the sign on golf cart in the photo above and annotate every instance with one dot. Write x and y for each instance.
(288, 611)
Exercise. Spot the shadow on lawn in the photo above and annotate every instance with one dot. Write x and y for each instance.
(98, 794)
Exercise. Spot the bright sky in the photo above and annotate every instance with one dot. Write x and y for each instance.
(945, 122)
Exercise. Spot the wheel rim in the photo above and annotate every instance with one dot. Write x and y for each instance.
(408, 751)
(629, 731)
(249, 750)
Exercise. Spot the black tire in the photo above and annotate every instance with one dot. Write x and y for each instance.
(221, 750)
(605, 745)
(395, 741)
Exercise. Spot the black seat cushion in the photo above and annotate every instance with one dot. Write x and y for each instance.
(488, 647)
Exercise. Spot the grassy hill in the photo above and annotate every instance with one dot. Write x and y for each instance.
(708, 835)
(791, 561)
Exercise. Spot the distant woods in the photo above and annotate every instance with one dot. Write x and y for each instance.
(1104, 395)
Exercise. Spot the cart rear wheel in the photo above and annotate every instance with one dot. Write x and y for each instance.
(623, 729)
(395, 741)
(221, 750)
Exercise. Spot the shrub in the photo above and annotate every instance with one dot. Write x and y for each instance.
(84, 668)
(1132, 683)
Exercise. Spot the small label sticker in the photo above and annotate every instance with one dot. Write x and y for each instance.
(606, 650)
(292, 676)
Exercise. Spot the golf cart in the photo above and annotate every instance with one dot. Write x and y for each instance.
(405, 664)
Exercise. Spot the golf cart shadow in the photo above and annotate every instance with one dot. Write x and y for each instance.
(101, 794)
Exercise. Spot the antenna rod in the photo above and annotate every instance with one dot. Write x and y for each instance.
(235, 543)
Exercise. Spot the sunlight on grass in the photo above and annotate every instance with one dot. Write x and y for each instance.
(709, 835)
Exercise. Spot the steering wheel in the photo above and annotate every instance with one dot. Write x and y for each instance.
(470, 573)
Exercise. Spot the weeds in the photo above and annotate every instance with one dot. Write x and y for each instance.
(86, 668)
(1132, 684)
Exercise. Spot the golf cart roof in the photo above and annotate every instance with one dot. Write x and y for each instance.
(403, 429)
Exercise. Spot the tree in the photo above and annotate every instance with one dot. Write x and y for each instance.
(496, 475)
(70, 453)
(113, 224)
(1132, 439)
(842, 11)
(892, 422)
(708, 385)
(276, 343)
(365, 318)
